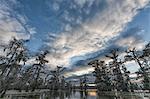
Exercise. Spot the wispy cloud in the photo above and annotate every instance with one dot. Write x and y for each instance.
(12, 24)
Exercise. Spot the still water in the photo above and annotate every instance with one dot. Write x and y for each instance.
(78, 95)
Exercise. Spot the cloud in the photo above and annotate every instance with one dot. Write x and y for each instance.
(132, 38)
(79, 72)
(81, 3)
(56, 6)
(114, 17)
(131, 42)
(93, 34)
(12, 24)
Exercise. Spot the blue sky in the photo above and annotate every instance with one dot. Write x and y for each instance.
(76, 31)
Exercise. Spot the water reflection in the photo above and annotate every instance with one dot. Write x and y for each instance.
(92, 93)
(78, 94)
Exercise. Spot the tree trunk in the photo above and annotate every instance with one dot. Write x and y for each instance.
(2, 93)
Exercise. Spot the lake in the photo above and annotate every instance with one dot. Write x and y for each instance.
(75, 94)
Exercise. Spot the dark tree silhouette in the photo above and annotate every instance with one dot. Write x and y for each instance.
(146, 63)
(116, 65)
(11, 63)
(142, 59)
(55, 80)
(38, 70)
(101, 73)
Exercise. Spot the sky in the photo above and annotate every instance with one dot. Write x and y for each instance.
(76, 31)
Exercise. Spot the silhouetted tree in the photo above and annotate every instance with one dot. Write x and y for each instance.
(69, 85)
(85, 80)
(146, 63)
(63, 82)
(55, 79)
(127, 81)
(115, 65)
(101, 73)
(11, 63)
(142, 59)
(38, 70)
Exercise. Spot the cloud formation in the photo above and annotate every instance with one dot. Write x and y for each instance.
(93, 34)
(12, 24)
(133, 37)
